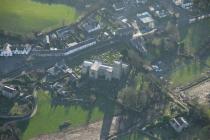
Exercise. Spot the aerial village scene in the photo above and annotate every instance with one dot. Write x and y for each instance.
(104, 70)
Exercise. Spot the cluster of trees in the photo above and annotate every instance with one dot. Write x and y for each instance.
(203, 4)
(140, 93)
(9, 132)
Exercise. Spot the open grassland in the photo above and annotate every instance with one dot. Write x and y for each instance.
(48, 118)
(26, 16)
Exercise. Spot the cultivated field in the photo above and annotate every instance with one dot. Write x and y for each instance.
(23, 17)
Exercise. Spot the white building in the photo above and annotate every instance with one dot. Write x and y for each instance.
(141, 1)
(6, 51)
(119, 6)
(186, 4)
(146, 19)
(177, 2)
(47, 39)
(178, 124)
(24, 50)
(8, 92)
(97, 69)
(91, 25)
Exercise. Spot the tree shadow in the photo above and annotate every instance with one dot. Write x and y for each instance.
(23, 125)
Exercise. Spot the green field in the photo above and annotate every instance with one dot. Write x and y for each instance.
(24, 17)
(48, 119)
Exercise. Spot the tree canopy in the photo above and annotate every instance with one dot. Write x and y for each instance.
(203, 4)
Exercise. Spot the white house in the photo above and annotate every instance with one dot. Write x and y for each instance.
(23, 51)
(146, 19)
(141, 1)
(119, 6)
(178, 124)
(97, 69)
(91, 26)
(6, 51)
(177, 2)
(8, 92)
(186, 4)
(47, 39)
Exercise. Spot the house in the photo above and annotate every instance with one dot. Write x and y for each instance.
(91, 25)
(119, 6)
(97, 69)
(119, 69)
(158, 11)
(178, 124)
(56, 86)
(146, 21)
(186, 4)
(11, 50)
(64, 33)
(141, 1)
(73, 79)
(161, 13)
(8, 92)
(86, 66)
(124, 28)
(177, 2)
(59, 68)
(6, 51)
(124, 31)
(22, 49)
(47, 39)
(139, 44)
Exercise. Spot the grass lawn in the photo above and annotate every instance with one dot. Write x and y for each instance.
(47, 119)
(26, 16)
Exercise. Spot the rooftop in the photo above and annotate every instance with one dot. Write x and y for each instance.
(96, 65)
(145, 17)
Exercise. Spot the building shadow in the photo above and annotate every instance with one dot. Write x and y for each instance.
(106, 94)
